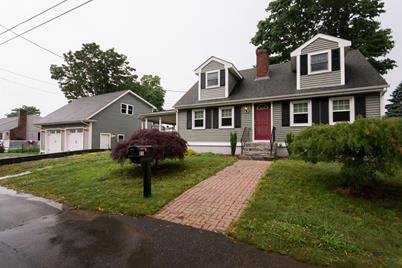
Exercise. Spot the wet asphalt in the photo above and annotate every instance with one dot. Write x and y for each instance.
(36, 232)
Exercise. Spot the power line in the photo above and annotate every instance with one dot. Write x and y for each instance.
(43, 23)
(32, 42)
(31, 18)
(46, 82)
(24, 85)
(28, 77)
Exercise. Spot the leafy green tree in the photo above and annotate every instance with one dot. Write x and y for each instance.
(292, 22)
(395, 107)
(151, 90)
(91, 71)
(29, 109)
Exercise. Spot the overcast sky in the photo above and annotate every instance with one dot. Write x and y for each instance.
(166, 38)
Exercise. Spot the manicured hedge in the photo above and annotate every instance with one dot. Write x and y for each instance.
(365, 147)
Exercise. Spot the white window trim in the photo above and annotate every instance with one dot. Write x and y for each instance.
(127, 105)
(124, 136)
(329, 52)
(220, 116)
(206, 79)
(351, 109)
(309, 114)
(193, 119)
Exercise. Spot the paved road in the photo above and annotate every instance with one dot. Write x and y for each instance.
(37, 233)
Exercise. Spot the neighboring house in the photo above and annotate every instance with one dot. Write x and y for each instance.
(93, 122)
(14, 130)
(324, 82)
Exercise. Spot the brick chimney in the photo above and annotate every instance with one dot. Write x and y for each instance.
(262, 63)
(20, 132)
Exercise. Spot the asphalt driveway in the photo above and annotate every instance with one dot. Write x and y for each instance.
(35, 232)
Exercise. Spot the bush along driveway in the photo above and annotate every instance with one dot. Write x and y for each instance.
(93, 181)
(297, 210)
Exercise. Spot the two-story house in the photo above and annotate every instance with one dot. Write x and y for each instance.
(93, 122)
(324, 82)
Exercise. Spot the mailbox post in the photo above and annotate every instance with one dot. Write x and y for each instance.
(143, 154)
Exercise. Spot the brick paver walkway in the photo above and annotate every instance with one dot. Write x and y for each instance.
(216, 202)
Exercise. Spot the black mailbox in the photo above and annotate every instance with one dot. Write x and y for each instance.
(143, 154)
(140, 153)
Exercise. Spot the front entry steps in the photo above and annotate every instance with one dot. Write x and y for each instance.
(258, 151)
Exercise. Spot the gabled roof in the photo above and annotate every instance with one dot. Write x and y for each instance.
(282, 83)
(83, 109)
(224, 62)
(8, 123)
(342, 42)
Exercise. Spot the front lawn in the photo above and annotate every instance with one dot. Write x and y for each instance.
(13, 155)
(93, 181)
(296, 211)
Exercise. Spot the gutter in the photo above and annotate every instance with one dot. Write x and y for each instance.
(379, 88)
(64, 122)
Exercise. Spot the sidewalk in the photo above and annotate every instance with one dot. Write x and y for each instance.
(216, 202)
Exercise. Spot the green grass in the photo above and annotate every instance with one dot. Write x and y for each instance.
(296, 211)
(93, 181)
(15, 154)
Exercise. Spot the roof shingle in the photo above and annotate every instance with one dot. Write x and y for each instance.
(358, 73)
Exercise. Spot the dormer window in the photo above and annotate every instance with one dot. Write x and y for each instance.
(212, 79)
(319, 62)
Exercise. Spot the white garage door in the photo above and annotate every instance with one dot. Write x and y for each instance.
(54, 141)
(75, 139)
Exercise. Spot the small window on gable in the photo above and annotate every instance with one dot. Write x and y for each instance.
(341, 110)
(120, 137)
(226, 117)
(212, 79)
(127, 109)
(300, 113)
(199, 119)
(123, 108)
(319, 62)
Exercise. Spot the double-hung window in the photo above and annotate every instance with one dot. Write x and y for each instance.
(300, 113)
(212, 79)
(319, 62)
(341, 110)
(127, 109)
(226, 117)
(199, 119)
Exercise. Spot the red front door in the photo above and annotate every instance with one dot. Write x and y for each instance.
(262, 121)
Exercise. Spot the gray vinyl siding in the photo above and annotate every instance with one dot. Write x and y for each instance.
(212, 66)
(216, 92)
(318, 80)
(323, 79)
(373, 109)
(213, 135)
(111, 120)
(232, 82)
(32, 130)
(373, 105)
(213, 93)
(319, 44)
(281, 132)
